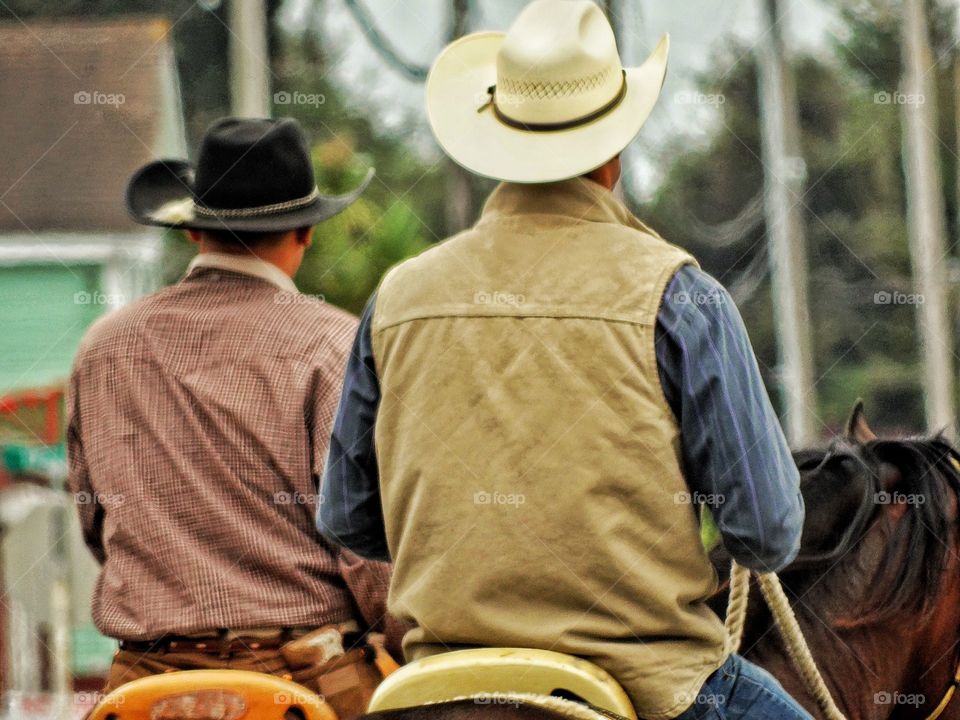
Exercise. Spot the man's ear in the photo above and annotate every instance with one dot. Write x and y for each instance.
(305, 236)
(857, 429)
(194, 236)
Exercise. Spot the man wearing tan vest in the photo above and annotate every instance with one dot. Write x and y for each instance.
(535, 408)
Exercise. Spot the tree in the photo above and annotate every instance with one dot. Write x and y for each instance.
(854, 211)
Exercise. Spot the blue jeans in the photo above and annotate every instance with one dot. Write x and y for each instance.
(740, 689)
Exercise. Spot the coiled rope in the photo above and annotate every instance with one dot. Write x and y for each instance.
(789, 628)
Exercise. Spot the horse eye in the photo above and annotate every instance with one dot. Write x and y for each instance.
(849, 465)
(808, 461)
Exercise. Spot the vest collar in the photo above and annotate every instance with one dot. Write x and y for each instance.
(577, 198)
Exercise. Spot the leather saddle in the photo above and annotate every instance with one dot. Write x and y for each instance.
(499, 675)
(220, 694)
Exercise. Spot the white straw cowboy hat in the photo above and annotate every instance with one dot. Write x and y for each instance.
(546, 101)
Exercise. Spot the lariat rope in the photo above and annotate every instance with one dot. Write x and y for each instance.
(797, 647)
(789, 629)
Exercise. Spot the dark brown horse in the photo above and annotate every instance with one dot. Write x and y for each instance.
(876, 586)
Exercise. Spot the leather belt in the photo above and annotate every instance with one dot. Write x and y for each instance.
(226, 642)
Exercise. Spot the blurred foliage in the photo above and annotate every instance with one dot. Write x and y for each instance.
(395, 217)
(352, 250)
(854, 206)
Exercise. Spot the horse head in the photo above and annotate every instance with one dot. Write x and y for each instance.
(876, 583)
(883, 511)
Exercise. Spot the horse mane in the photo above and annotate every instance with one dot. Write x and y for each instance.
(918, 549)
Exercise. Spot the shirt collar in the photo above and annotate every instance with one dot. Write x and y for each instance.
(245, 264)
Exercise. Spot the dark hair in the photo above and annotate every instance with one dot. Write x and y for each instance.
(245, 238)
(922, 542)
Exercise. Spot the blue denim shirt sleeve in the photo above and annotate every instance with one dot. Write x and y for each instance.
(350, 512)
(735, 457)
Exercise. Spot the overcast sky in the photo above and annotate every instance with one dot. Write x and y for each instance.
(416, 29)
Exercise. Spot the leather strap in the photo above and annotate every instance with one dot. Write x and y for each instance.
(551, 127)
(213, 645)
(228, 642)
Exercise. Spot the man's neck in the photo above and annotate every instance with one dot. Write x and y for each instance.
(274, 255)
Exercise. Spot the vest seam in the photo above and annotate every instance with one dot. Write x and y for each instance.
(520, 217)
(439, 315)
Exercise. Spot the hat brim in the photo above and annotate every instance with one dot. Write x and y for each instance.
(457, 87)
(161, 193)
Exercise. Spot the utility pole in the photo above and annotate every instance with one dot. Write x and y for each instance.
(614, 11)
(926, 218)
(784, 174)
(459, 184)
(249, 59)
(627, 19)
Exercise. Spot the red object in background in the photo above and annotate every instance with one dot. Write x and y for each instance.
(48, 401)
(42, 421)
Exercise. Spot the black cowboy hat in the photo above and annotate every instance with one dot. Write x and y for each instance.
(252, 175)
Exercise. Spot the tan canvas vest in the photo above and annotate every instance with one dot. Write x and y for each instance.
(531, 481)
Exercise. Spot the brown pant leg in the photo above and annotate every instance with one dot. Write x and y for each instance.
(346, 683)
(128, 666)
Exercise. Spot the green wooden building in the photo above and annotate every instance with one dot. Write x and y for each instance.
(93, 102)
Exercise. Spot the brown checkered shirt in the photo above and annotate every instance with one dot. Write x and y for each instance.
(199, 419)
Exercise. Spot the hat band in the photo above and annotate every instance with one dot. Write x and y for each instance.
(551, 127)
(271, 209)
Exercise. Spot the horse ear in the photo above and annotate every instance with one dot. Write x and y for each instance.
(857, 429)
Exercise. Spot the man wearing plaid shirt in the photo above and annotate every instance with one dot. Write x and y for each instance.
(199, 420)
